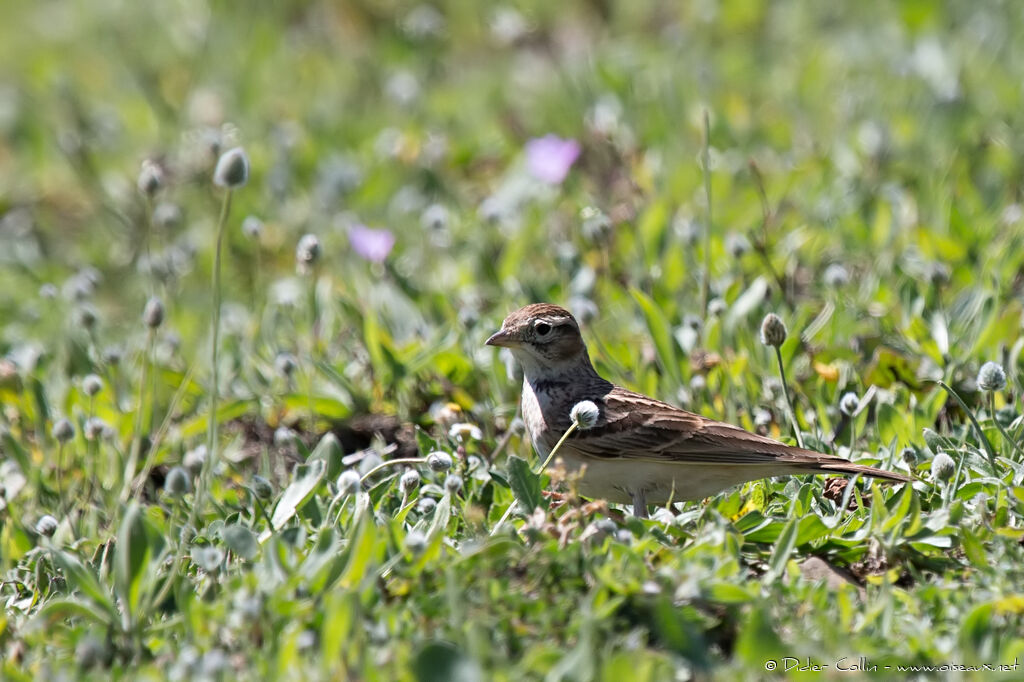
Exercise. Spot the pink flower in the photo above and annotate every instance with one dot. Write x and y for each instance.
(549, 158)
(373, 245)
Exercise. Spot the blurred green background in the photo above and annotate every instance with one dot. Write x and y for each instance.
(865, 169)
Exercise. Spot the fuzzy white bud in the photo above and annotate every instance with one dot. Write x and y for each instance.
(585, 414)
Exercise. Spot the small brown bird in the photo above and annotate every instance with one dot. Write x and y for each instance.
(639, 450)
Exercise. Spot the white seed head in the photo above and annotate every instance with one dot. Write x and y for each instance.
(232, 169)
(46, 525)
(410, 481)
(167, 215)
(195, 459)
(261, 487)
(178, 482)
(991, 377)
(773, 330)
(63, 430)
(848, 403)
(943, 467)
(283, 436)
(307, 253)
(151, 178)
(349, 482)
(415, 542)
(92, 385)
(285, 363)
(584, 414)
(439, 461)
(94, 429)
(252, 227)
(153, 313)
(453, 483)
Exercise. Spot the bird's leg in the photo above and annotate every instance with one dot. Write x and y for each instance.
(639, 504)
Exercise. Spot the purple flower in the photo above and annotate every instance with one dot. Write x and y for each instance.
(373, 245)
(549, 158)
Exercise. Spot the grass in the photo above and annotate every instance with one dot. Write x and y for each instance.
(864, 166)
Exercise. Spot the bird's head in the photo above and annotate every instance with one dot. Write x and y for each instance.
(542, 337)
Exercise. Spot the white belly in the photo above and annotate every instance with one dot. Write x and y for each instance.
(617, 480)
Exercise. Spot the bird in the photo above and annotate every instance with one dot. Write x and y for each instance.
(639, 450)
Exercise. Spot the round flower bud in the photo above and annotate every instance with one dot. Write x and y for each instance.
(349, 482)
(909, 455)
(112, 356)
(307, 253)
(166, 215)
(773, 330)
(261, 487)
(86, 317)
(285, 363)
(283, 436)
(453, 483)
(252, 227)
(94, 428)
(426, 505)
(63, 430)
(232, 169)
(435, 217)
(415, 542)
(177, 482)
(92, 384)
(208, 558)
(195, 459)
(410, 481)
(151, 178)
(717, 307)
(943, 467)
(46, 525)
(836, 275)
(584, 414)
(991, 377)
(153, 313)
(439, 461)
(90, 651)
(848, 403)
(737, 244)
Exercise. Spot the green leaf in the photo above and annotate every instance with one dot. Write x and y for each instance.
(525, 484)
(727, 593)
(661, 334)
(783, 548)
(363, 555)
(83, 579)
(240, 540)
(131, 557)
(305, 479)
(444, 662)
(60, 610)
(330, 451)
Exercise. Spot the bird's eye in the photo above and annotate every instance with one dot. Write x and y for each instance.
(542, 328)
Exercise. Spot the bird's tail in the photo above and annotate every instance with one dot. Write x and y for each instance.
(844, 467)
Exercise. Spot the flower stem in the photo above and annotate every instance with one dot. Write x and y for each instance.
(543, 466)
(391, 462)
(992, 414)
(789, 404)
(706, 163)
(133, 456)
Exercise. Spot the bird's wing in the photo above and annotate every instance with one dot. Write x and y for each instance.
(633, 426)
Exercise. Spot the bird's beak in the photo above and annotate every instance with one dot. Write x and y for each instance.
(503, 338)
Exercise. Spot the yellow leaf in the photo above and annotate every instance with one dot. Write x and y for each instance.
(828, 372)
